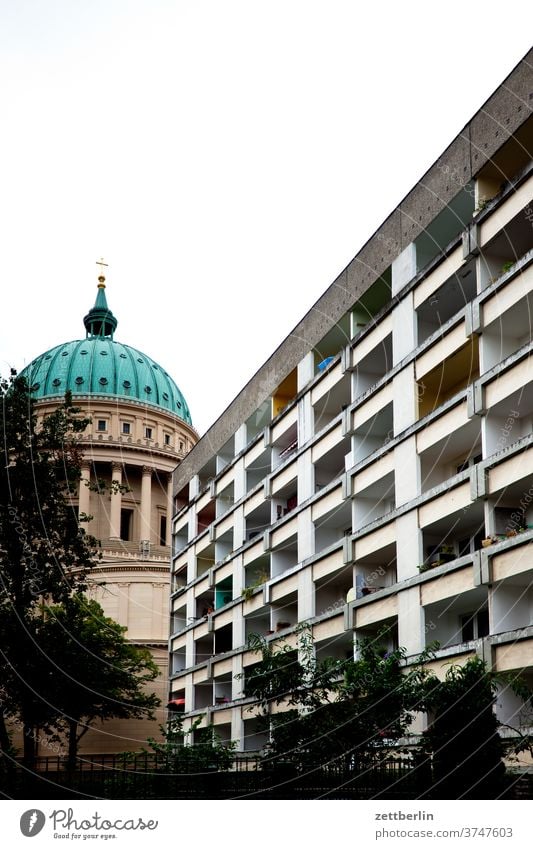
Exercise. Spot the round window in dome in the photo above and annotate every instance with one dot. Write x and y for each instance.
(178, 405)
(126, 384)
(148, 389)
(123, 356)
(103, 353)
(104, 381)
(165, 396)
(56, 382)
(79, 380)
(83, 352)
(64, 353)
(35, 387)
(48, 357)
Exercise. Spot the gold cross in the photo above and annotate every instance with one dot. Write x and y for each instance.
(102, 264)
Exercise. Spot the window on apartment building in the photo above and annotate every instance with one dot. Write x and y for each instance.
(126, 427)
(101, 425)
(474, 626)
(148, 432)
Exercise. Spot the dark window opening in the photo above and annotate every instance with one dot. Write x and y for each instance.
(125, 524)
(163, 530)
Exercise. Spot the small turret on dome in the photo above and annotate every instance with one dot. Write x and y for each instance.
(100, 321)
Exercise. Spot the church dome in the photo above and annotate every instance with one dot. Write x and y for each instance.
(100, 366)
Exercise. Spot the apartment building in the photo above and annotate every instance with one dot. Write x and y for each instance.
(378, 469)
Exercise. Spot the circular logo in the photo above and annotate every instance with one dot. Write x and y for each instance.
(32, 822)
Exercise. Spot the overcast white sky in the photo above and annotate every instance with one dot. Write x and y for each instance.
(227, 159)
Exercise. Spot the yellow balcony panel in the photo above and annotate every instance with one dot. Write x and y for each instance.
(447, 503)
(280, 535)
(223, 526)
(253, 453)
(512, 562)
(201, 545)
(255, 501)
(327, 383)
(329, 628)
(202, 586)
(434, 281)
(374, 541)
(517, 655)
(372, 340)
(440, 666)
(249, 711)
(222, 619)
(250, 657)
(368, 614)
(442, 427)
(199, 676)
(447, 586)
(282, 707)
(508, 295)
(449, 377)
(328, 502)
(222, 667)
(201, 631)
(221, 717)
(511, 206)
(253, 552)
(373, 405)
(178, 643)
(285, 423)
(327, 565)
(373, 473)
(178, 603)
(328, 441)
(180, 563)
(224, 571)
(286, 476)
(511, 470)
(226, 480)
(252, 604)
(509, 381)
(203, 501)
(182, 524)
(441, 350)
(283, 588)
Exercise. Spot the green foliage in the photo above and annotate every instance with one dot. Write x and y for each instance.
(43, 551)
(88, 669)
(463, 734)
(179, 755)
(342, 711)
(276, 676)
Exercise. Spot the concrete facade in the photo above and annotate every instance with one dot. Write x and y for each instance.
(377, 470)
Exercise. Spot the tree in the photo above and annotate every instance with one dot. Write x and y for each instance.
(463, 734)
(342, 711)
(180, 756)
(44, 553)
(90, 671)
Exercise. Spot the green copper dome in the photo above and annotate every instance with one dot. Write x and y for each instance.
(97, 365)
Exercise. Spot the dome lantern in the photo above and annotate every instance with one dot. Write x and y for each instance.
(100, 323)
